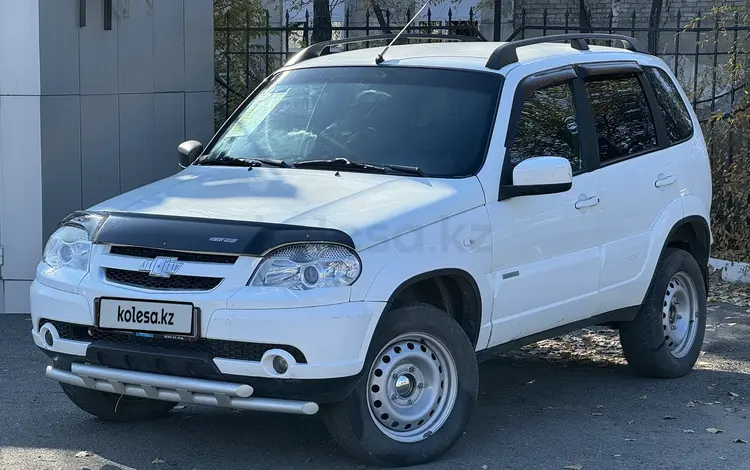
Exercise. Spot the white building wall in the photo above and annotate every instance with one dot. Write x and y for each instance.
(20, 152)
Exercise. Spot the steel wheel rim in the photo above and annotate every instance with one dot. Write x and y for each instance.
(412, 387)
(680, 314)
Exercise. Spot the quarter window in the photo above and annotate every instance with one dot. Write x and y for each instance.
(548, 127)
(672, 107)
(622, 118)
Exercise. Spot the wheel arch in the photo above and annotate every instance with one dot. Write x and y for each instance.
(692, 234)
(451, 289)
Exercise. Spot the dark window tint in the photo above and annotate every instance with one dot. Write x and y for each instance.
(623, 120)
(548, 127)
(435, 119)
(672, 108)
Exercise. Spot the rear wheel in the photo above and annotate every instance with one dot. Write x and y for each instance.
(113, 407)
(666, 337)
(418, 393)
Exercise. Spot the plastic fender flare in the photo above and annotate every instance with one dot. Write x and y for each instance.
(420, 263)
(672, 218)
(693, 208)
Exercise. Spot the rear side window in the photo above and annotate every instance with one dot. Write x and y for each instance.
(676, 116)
(623, 120)
(548, 127)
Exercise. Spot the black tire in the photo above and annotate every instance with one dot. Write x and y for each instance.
(350, 422)
(105, 405)
(645, 340)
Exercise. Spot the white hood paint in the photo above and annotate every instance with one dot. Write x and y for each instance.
(371, 208)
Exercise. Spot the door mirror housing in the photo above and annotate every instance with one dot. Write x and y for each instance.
(188, 152)
(540, 175)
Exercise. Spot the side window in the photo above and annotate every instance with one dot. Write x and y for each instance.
(623, 121)
(548, 127)
(676, 116)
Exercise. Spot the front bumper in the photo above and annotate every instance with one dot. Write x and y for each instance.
(325, 347)
(169, 364)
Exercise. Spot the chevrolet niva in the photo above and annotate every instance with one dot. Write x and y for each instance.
(365, 229)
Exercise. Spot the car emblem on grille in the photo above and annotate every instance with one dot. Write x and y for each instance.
(161, 266)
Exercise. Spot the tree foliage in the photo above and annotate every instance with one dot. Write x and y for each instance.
(234, 12)
(727, 132)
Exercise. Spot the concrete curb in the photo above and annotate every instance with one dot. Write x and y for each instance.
(732, 271)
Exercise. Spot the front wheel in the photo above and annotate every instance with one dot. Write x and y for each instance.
(418, 393)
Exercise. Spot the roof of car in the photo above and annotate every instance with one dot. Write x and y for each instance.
(468, 55)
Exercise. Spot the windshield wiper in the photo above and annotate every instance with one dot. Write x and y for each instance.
(412, 170)
(226, 160)
(341, 163)
(272, 162)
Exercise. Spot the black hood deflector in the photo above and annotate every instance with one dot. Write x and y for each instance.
(208, 235)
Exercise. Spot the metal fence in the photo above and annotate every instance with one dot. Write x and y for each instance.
(695, 48)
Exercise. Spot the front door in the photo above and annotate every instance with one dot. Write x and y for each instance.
(546, 255)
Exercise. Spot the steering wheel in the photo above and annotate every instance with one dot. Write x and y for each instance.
(328, 135)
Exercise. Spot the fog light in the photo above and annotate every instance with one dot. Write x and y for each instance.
(48, 338)
(280, 365)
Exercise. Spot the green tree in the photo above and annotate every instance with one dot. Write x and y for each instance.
(727, 132)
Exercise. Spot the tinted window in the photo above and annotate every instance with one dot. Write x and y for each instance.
(672, 108)
(623, 120)
(548, 127)
(437, 120)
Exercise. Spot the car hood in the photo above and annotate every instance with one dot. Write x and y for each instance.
(371, 208)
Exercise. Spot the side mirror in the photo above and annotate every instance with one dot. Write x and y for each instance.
(541, 175)
(189, 151)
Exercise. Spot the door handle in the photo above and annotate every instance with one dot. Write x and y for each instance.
(662, 181)
(584, 201)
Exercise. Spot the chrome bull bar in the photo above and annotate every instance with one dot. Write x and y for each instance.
(175, 389)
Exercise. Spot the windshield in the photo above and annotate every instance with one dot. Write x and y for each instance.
(435, 120)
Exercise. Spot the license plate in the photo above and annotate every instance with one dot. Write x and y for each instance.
(170, 318)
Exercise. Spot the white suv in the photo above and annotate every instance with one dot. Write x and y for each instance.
(363, 231)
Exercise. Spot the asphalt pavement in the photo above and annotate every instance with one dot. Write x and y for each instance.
(533, 413)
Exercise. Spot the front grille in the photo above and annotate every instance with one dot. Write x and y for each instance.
(215, 347)
(140, 252)
(174, 282)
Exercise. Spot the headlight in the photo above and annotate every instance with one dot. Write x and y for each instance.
(70, 245)
(308, 266)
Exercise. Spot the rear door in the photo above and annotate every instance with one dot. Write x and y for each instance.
(637, 175)
(678, 125)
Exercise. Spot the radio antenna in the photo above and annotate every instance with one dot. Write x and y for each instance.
(379, 59)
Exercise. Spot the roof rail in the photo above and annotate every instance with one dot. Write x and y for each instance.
(315, 50)
(506, 53)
